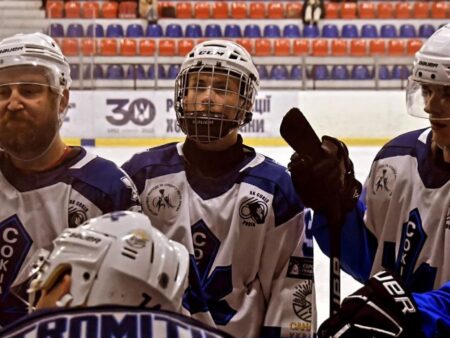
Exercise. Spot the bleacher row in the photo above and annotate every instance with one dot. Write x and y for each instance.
(251, 10)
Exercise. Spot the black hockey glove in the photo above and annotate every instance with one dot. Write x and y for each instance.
(320, 184)
(382, 308)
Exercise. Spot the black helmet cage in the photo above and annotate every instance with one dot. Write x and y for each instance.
(207, 125)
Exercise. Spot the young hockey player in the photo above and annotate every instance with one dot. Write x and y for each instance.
(113, 276)
(234, 209)
(45, 185)
(401, 222)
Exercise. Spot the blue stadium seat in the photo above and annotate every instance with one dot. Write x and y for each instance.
(135, 72)
(213, 31)
(272, 31)
(291, 31)
(339, 72)
(383, 72)
(74, 71)
(279, 72)
(310, 31)
(115, 72)
(95, 30)
(252, 31)
(97, 72)
(233, 31)
(400, 72)
(193, 31)
(154, 30)
(349, 31)
(173, 71)
(161, 72)
(369, 31)
(407, 31)
(360, 72)
(135, 31)
(56, 30)
(320, 72)
(388, 31)
(174, 31)
(330, 31)
(262, 71)
(75, 30)
(426, 30)
(114, 31)
(296, 73)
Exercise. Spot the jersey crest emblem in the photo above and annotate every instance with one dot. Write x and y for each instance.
(163, 199)
(77, 213)
(384, 180)
(253, 210)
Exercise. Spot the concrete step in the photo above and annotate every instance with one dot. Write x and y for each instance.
(18, 14)
(24, 4)
(18, 24)
(6, 32)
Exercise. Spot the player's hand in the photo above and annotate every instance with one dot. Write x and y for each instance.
(54, 296)
(382, 308)
(321, 184)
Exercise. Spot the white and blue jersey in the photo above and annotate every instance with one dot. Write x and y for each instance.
(108, 322)
(37, 207)
(402, 223)
(251, 270)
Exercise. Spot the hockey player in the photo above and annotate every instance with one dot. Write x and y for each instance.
(234, 209)
(45, 185)
(401, 222)
(113, 276)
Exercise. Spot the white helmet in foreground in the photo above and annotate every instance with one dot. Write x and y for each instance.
(225, 71)
(431, 67)
(117, 258)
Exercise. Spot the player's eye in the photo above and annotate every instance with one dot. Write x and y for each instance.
(5, 92)
(31, 90)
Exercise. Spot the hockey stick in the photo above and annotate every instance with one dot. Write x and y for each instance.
(298, 133)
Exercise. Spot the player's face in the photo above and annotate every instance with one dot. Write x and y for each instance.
(213, 93)
(28, 111)
(437, 105)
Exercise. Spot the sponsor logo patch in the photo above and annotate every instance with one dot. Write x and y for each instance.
(163, 198)
(302, 301)
(300, 267)
(384, 181)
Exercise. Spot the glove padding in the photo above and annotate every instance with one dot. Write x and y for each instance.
(321, 184)
(382, 308)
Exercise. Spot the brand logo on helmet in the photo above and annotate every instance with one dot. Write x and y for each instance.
(138, 238)
(211, 52)
(428, 64)
(9, 50)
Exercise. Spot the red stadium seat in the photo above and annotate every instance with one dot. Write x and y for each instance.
(396, 47)
(413, 46)
(220, 10)
(385, 10)
(377, 47)
(90, 9)
(185, 46)
(55, 9)
(300, 47)
(238, 10)
(184, 10)
(294, 10)
(320, 47)
(108, 47)
(263, 47)
(338, 47)
(109, 9)
(348, 10)
(421, 10)
(402, 10)
(332, 10)
(248, 44)
(275, 10)
(73, 9)
(358, 47)
(147, 47)
(282, 47)
(167, 47)
(257, 10)
(439, 10)
(70, 47)
(88, 46)
(128, 47)
(202, 10)
(366, 10)
(128, 9)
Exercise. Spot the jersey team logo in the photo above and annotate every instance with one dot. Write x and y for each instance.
(384, 180)
(77, 214)
(253, 211)
(163, 198)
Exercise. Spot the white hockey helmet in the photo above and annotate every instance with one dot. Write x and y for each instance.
(431, 67)
(39, 50)
(117, 258)
(227, 59)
